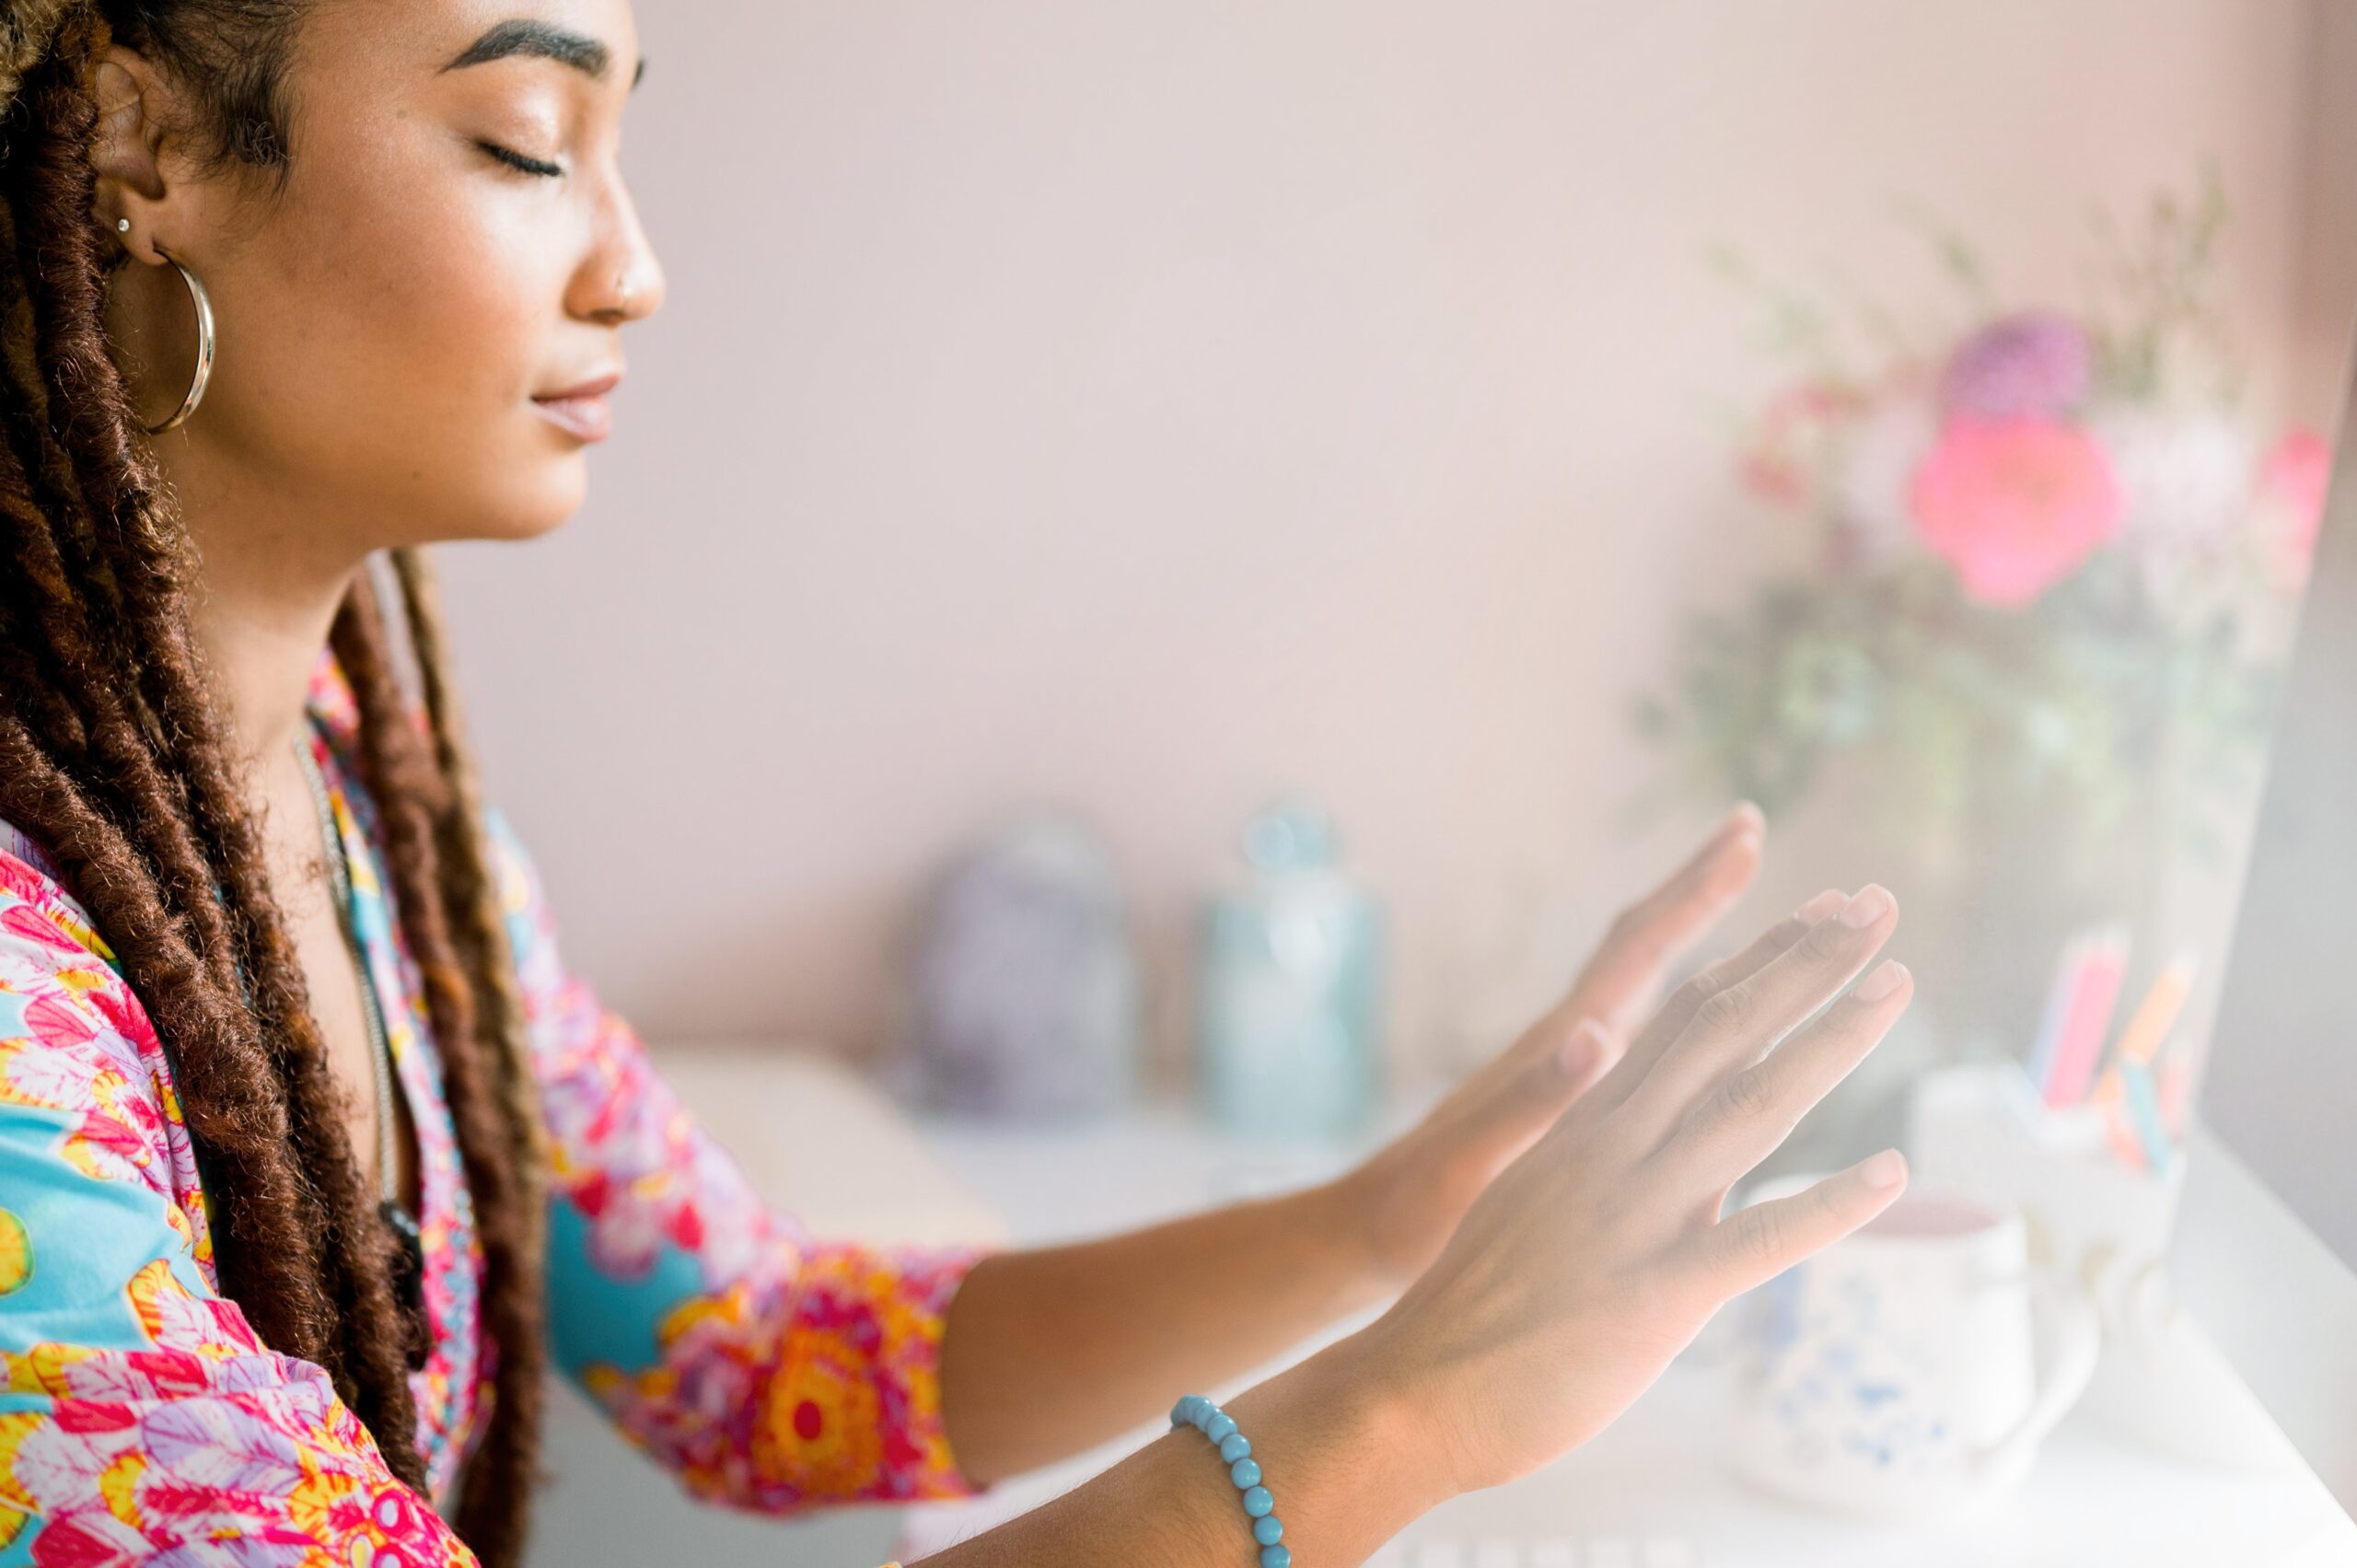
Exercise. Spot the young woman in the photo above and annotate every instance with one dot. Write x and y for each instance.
(311, 1151)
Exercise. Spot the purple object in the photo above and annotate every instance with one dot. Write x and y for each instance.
(2034, 365)
(1024, 988)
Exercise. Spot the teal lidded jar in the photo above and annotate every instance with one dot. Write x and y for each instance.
(1289, 1021)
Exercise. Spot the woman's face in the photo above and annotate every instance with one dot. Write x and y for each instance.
(453, 249)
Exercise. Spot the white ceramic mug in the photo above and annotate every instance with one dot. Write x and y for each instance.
(1901, 1370)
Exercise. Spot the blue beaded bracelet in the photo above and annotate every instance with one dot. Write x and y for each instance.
(1243, 1469)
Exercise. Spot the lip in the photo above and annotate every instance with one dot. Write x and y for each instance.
(580, 411)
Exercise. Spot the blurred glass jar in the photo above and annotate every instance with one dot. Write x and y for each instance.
(1289, 1021)
(1022, 1001)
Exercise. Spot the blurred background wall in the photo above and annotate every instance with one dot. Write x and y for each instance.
(1152, 407)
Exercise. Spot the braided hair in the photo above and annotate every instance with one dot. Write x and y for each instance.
(115, 757)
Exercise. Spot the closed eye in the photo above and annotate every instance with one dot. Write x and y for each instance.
(514, 159)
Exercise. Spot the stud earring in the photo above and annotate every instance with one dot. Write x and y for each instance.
(122, 225)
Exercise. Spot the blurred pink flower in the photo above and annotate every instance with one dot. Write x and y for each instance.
(2014, 505)
(2034, 364)
(2292, 484)
(1781, 460)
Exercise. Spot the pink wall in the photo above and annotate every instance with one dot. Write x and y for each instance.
(1147, 405)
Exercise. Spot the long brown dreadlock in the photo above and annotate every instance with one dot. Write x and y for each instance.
(114, 756)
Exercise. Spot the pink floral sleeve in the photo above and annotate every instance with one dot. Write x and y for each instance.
(769, 1369)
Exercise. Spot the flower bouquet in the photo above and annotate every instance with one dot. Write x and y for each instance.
(2049, 564)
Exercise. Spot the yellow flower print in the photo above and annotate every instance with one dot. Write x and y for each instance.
(118, 1483)
(16, 1254)
(820, 1427)
(14, 1495)
(172, 1316)
(45, 1368)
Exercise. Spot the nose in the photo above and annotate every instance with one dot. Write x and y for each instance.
(622, 280)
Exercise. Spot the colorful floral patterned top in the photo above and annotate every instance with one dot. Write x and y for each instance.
(141, 1421)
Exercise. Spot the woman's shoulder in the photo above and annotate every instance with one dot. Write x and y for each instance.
(84, 1079)
(37, 907)
(16, 843)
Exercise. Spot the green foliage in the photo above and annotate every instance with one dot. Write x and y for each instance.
(1960, 712)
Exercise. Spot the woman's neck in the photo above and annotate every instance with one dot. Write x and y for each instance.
(266, 599)
(260, 664)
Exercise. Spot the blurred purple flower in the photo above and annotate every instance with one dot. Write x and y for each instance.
(2037, 365)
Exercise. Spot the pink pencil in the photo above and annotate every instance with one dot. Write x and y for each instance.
(2081, 1048)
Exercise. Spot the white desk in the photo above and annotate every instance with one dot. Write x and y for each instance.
(1652, 1491)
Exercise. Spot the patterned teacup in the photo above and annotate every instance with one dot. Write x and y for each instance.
(1899, 1370)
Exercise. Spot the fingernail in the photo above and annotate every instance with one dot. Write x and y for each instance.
(1885, 1170)
(1577, 1052)
(1887, 977)
(1870, 905)
(1748, 819)
(1819, 907)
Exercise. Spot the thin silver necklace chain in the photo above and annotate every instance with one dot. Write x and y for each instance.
(408, 1279)
(380, 1049)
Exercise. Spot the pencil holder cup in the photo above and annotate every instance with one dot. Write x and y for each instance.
(2094, 1219)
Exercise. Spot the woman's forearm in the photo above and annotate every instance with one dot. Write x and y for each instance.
(1050, 1352)
(1340, 1447)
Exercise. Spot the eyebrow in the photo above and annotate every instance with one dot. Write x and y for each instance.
(546, 40)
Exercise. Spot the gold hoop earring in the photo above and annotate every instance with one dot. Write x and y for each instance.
(202, 304)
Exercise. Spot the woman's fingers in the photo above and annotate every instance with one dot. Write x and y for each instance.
(1524, 1103)
(1536, 1056)
(1753, 1245)
(1584, 1059)
(1688, 999)
(1737, 1025)
(1420, 1185)
(1666, 921)
(1742, 1121)
(1626, 971)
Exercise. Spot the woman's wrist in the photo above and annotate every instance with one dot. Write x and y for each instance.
(1338, 1231)
(1346, 1449)
(1386, 1239)
(1346, 1454)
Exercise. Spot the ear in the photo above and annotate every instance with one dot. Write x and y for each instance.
(126, 150)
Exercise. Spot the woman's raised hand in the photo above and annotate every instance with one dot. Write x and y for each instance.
(1597, 1255)
(1566, 1286)
(1411, 1194)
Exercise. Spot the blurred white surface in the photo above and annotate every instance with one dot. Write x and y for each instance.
(1654, 1488)
(1657, 1487)
(826, 1144)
